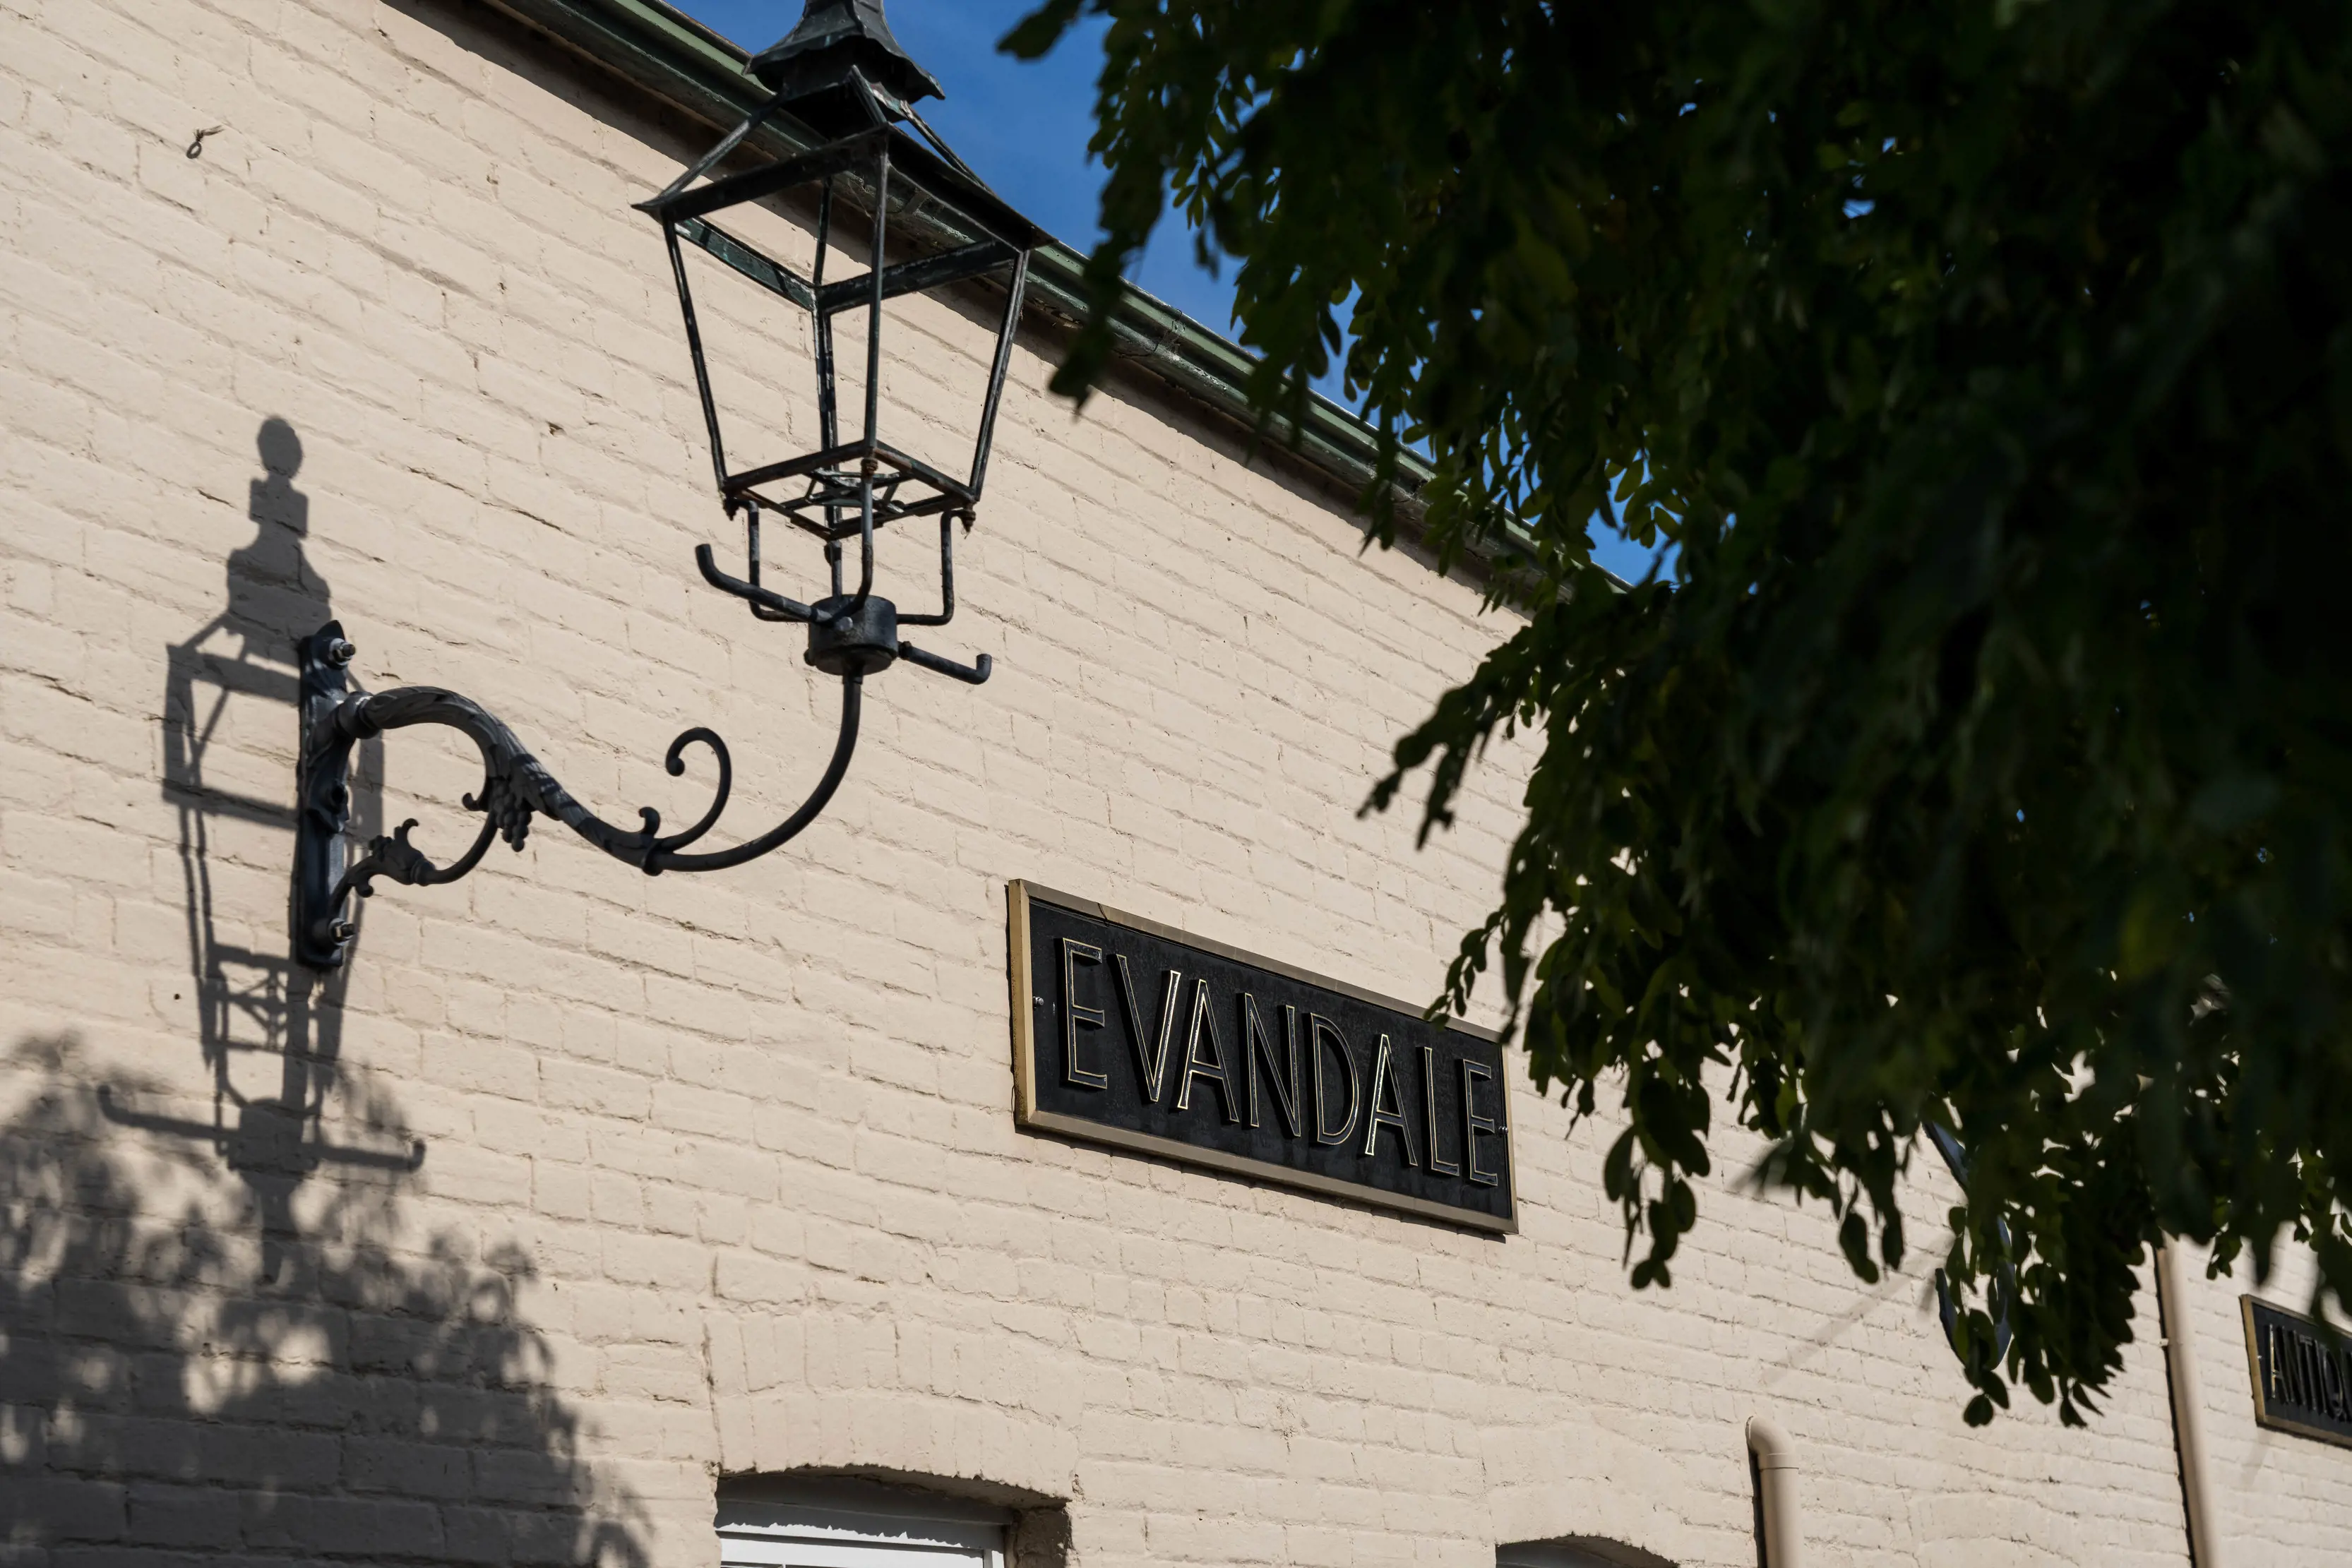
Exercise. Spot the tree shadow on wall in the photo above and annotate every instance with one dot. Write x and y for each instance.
(159, 1396)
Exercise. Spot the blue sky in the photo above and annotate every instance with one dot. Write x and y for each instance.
(1024, 126)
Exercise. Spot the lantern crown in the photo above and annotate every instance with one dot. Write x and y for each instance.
(836, 36)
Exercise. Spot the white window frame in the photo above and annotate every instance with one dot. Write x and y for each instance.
(858, 1527)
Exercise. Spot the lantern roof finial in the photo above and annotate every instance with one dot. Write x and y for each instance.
(834, 37)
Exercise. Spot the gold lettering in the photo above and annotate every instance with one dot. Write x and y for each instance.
(1151, 1060)
(1211, 1067)
(1388, 1113)
(1437, 1167)
(1074, 953)
(2276, 1389)
(1476, 1126)
(1324, 1038)
(1256, 1049)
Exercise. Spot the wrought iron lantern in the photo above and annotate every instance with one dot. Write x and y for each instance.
(879, 181)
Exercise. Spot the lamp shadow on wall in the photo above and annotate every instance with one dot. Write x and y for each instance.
(270, 1029)
(223, 1337)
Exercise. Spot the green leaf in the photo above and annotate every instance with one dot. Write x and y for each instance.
(1034, 36)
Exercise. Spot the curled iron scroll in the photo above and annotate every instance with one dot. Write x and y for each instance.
(516, 786)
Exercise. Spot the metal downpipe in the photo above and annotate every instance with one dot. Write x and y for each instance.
(2188, 1409)
(1776, 1492)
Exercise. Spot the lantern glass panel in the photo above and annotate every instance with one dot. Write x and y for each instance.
(923, 450)
(938, 348)
(907, 405)
(758, 347)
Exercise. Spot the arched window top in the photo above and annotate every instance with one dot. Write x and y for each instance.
(768, 1521)
(1577, 1551)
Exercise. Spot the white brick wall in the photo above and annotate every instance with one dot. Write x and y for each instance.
(2281, 1498)
(719, 1172)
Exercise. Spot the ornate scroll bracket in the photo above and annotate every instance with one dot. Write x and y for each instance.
(516, 786)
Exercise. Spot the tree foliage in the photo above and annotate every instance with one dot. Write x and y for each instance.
(1983, 759)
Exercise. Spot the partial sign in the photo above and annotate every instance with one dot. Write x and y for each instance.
(2303, 1381)
(1133, 1034)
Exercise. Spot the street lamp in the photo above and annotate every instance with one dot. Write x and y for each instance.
(928, 225)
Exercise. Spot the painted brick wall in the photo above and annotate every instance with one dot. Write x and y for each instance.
(2280, 1497)
(617, 1183)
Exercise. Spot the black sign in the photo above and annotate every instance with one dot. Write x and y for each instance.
(1130, 1033)
(2303, 1380)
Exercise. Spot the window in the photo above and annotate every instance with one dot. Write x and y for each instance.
(854, 1524)
(1576, 1551)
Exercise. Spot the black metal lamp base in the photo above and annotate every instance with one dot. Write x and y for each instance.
(849, 637)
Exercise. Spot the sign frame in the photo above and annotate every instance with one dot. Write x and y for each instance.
(1030, 1115)
(2265, 1415)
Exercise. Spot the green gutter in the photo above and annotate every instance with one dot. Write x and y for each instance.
(684, 64)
